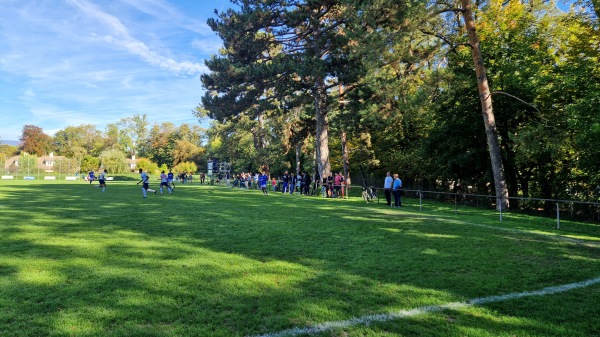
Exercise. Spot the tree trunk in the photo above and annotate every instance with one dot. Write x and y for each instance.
(345, 155)
(486, 106)
(298, 152)
(322, 136)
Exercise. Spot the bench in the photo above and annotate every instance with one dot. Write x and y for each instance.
(8, 177)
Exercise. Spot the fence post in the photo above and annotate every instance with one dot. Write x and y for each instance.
(420, 201)
(557, 216)
(455, 204)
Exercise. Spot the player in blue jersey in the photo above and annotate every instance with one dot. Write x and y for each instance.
(262, 183)
(170, 177)
(91, 176)
(145, 180)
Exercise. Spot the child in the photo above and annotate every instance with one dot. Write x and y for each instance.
(262, 183)
(274, 183)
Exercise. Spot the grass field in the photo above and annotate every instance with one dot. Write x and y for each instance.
(212, 261)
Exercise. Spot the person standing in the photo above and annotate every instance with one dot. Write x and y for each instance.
(337, 185)
(330, 186)
(306, 183)
(286, 180)
(292, 184)
(397, 189)
(144, 179)
(387, 188)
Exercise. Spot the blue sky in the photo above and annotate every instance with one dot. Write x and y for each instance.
(72, 62)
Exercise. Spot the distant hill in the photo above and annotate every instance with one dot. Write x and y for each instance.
(9, 142)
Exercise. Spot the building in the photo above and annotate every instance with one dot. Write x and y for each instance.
(44, 163)
(132, 163)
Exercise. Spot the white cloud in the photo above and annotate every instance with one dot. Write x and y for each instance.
(121, 37)
(96, 61)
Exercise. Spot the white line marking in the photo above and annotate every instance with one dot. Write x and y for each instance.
(366, 320)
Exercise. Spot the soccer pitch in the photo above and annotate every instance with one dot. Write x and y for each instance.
(215, 261)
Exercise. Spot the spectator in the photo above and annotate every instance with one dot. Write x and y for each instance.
(285, 178)
(337, 184)
(397, 189)
(387, 188)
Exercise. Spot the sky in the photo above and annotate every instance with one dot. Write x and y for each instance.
(72, 62)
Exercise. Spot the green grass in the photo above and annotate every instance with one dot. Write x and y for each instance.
(211, 261)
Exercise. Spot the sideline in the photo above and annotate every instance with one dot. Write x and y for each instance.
(366, 320)
(558, 237)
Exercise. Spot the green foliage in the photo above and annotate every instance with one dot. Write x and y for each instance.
(147, 165)
(8, 150)
(27, 165)
(89, 163)
(67, 166)
(186, 167)
(114, 161)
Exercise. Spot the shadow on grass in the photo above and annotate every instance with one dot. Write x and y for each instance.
(209, 261)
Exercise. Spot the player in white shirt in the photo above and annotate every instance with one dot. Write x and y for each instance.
(145, 178)
(164, 181)
(102, 180)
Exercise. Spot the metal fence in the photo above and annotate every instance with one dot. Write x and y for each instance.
(580, 210)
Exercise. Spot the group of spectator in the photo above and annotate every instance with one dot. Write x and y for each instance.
(291, 183)
(332, 186)
(302, 183)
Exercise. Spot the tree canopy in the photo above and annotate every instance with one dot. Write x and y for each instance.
(397, 82)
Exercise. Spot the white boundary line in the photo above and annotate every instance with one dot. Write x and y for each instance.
(366, 320)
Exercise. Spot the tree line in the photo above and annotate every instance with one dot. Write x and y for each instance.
(155, 147)
(492, 97)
